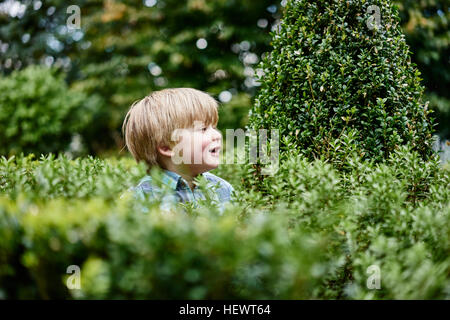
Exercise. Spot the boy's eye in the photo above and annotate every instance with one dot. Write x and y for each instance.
(204, 129)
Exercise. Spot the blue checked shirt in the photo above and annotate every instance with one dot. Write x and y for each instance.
(220, 191)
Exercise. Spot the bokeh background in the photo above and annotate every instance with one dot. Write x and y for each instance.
(68, 90)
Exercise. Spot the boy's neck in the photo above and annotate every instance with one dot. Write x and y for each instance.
(189, 179)
(184, 173)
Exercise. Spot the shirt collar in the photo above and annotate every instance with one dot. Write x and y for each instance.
(173, 180)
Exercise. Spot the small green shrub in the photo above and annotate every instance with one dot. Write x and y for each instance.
(81, 178)
(39, 113)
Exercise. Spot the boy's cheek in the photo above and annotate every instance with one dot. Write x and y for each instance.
(205, 144)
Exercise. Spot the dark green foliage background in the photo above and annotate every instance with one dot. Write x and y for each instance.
(39, 113)
(426, 27)
(110, 56)
(108, 59)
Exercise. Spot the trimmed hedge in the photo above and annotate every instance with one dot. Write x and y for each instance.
(313, 236)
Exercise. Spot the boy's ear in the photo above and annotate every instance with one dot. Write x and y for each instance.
(165, 150)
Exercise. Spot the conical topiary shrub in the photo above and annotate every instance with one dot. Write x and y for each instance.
(340, 78)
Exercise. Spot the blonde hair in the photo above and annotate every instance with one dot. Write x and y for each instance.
(151, 120)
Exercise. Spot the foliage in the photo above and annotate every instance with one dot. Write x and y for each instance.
(425, 25)
(331, 76)
(386, 214)
(120, 42)
(38, 113)
(125, 50)
(312, 233)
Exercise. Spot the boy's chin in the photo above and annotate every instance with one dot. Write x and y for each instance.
(211, 165)
(200, 168)
(211, 162)
(214, 165)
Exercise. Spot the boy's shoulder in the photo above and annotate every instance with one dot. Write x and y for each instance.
(215, 179)
(143, 187)
(225, 189)
(145, 183)
(147, 186)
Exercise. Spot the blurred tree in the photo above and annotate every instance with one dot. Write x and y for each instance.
(136, 47)
(425, 24)
(126, 49)
(40, 114)
(33, 32)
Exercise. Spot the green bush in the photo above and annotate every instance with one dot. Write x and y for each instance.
(39, 113)
(393, 215)
(124, 253)
(330, 77)
(79, 178)
(312, 235)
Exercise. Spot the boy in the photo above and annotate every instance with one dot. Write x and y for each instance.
(175, 130)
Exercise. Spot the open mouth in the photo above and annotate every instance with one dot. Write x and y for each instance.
(215, 151)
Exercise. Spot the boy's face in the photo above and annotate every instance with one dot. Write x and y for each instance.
(198, 148)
